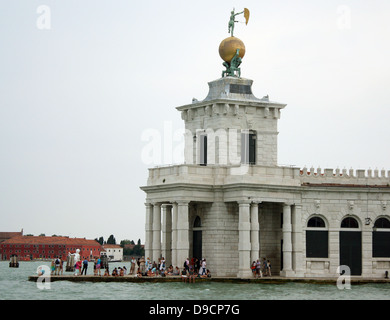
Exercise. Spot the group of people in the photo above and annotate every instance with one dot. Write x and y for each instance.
(81, 267)
(191, 269)
(116, 272)
(56, 266)
(194, 268)
(261, 268)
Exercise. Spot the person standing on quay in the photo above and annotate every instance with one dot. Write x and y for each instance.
(258, 269)
(77, 268)
(52, 267)
(265, 269)
(253, 269)
(162, 265)
(269, 267)
(85, 266)
(132, 265)
(98, 263)
(204, 266)
(142, 265)
(57, 266)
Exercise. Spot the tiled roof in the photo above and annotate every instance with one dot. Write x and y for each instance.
(8, 235)
(50, 240)
(111, 246)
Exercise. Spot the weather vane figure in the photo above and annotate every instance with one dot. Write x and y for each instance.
(232, 19)
(232, 49)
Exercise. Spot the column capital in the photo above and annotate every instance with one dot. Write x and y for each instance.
(155, 203)
(166, 205)
(244, 202)
(183, 203)
(288, 204)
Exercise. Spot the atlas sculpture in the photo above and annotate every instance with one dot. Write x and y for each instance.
(232, 49)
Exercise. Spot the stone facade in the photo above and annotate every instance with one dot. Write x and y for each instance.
(232, 204)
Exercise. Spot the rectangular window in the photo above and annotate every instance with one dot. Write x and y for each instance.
(316, 244)
(203, 150)
(248, 148)
(380, 244)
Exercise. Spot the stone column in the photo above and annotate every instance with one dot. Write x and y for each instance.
(148, 230)
(156, 252)
(297, 241)
(183, 243)
(334, 249)
(367, 250)
(174, 234)
(255, 246)
(166, 233)
(287, 241)
(244, 244)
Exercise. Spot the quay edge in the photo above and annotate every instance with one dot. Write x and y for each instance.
(264, 280)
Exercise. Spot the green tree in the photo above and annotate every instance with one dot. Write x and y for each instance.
(123, 242)
(111, 239)
(101, 240)
(137, 250)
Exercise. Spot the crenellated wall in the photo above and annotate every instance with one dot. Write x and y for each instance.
(345, 177)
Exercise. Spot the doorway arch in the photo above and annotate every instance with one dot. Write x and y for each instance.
(197, 239)
(351, 245)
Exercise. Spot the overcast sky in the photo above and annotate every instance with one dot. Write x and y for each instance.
(81, 81)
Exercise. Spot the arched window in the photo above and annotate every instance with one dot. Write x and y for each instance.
(197, 222)
(317, 243)
(350, 222)
(381, 238)
(316, 222)
(382, 223)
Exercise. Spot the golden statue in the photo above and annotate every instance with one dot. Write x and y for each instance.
(233, 48)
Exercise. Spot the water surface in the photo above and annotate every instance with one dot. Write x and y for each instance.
(14, 285)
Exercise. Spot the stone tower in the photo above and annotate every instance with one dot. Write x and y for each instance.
(231, 126)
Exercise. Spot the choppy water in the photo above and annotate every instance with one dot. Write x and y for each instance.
(14, 285)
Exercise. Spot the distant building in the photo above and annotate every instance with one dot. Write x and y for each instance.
(129, 252)
(8, 235)
(39, 247)
(131, 246)
(113, 252)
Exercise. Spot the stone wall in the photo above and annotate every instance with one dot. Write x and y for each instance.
(333, 204)
(220, 238)
(271, 234)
